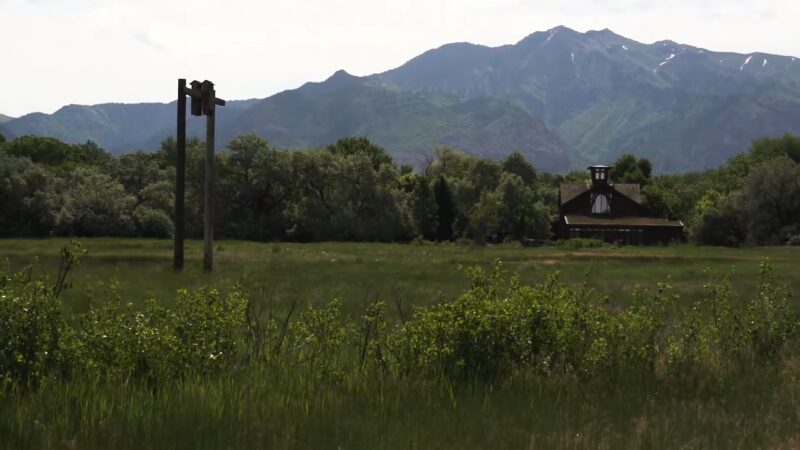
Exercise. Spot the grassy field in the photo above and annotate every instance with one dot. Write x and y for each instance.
(269, 406)
(414, 274)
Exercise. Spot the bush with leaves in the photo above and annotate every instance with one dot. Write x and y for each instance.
(720, 222)
(152, 222)
(95, 204)
(318, 341)
(31, 326)
(203, 334)
(496, 328)
(31, 323)
(499, 326)
(726, 329)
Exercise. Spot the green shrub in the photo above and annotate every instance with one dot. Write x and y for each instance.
(31, 323)
(471, 336)
(30, 329)
(319, 339)
(725, 329)
(203, 334)
(153, 223)
(496, 328)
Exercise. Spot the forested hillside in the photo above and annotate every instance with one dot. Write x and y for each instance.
(562, 98)
(683, 107)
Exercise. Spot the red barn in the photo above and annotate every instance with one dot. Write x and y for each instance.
(611, 212)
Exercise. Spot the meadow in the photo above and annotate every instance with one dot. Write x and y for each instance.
(326, 390)
(415, 274)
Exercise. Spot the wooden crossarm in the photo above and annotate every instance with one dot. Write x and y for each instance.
(198, 94)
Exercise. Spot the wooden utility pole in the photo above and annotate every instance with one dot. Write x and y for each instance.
(204, 103)
(180, 177)
(208, 187)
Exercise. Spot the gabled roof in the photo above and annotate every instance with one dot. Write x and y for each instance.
(571, 190)
(630, 190)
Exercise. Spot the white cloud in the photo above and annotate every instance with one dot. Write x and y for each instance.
(92, 51)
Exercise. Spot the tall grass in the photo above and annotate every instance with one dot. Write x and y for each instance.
(268, 408)
(505, 364)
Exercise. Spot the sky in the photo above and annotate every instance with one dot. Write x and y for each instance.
(59, 52)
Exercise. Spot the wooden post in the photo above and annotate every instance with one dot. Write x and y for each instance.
(180, 177)
(208, 191)
(204, 103)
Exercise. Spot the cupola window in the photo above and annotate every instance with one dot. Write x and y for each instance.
(599, 174)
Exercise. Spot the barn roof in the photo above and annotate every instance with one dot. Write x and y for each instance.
(621, 221)
(571, 190)
(630, 190)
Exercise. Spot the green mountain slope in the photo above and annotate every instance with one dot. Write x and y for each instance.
(564, 98)
(683, 106)
(117, 127)
(410, 125)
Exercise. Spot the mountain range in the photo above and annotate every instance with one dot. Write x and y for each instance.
(563, 98)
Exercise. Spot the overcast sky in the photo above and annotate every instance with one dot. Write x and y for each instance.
(57, 52)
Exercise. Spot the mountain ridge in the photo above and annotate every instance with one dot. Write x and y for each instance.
(563, 97)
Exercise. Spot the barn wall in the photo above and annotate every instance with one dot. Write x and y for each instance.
(621, 206)
(622, 235)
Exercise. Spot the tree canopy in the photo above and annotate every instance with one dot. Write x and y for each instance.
(352, 190)
(628, 169)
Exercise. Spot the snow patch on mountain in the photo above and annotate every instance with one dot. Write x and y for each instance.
(669, 58)
(746, 62)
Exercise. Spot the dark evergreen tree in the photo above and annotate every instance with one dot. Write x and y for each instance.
(517, 164)
(770, 201)
(425, 209)
(445, 208)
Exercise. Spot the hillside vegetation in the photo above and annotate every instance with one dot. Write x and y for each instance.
(562, 98)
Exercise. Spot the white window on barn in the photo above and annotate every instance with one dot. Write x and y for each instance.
(600, 205)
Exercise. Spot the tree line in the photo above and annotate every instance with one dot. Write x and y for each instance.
(352, 190)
